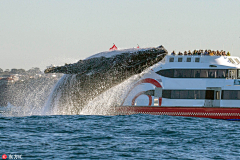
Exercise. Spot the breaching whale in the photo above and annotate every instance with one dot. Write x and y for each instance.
(90, 77)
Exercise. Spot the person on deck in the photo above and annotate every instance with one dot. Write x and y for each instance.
(224, 53)
(194, 52)
(180, 53)
(173, 53)
(214, 53)
(206, 53)
(211, 53)
(189, 52)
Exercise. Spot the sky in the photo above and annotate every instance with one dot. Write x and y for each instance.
(43, 32)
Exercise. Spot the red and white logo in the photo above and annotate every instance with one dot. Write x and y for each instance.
(4, 156)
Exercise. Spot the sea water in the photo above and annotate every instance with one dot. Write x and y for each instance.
(118, 137)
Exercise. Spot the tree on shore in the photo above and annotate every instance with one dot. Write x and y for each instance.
(21, 71)
(13, 71)
(6, 72)
(1, 70)
(34, 70)
(17, 71)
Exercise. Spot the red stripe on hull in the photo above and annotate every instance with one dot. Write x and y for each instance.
(215, 113)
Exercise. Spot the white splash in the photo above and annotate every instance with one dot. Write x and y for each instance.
(31, 97)
(47, 109)
(104, 103)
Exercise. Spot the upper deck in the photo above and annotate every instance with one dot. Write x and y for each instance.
(200, 61)
(191, 66)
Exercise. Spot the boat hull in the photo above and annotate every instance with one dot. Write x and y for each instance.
(202, 112)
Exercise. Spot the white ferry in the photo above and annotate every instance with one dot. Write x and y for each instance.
(189, 85)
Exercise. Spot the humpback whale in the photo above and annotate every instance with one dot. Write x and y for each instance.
(90, 77)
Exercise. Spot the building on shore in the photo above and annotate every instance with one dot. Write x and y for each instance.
(6, 80)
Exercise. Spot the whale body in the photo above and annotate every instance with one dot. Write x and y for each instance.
(88, 78)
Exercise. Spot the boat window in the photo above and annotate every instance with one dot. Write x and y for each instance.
(179, 59)
(184, 94)
(191, 95)
(231, 94)
(196, 73)
(171, 59)
(166, 73)
(202, 94)
(199, 94)
(209, 94)
(204, 73)
(197, 59)
(187, 73)
(238, 75)
(178, 73)
(232, 74)
(199, 73)
(175, 94)
(212, 66)
(222, 73)
(166, 93)
(149, 92)
(182, 73)
(212, 73)
(189, 59)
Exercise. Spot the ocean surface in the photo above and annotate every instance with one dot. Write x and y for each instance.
(118, 137)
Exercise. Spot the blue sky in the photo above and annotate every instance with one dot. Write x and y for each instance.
(42, 32)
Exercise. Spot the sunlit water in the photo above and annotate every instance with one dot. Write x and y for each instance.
(119, 137)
